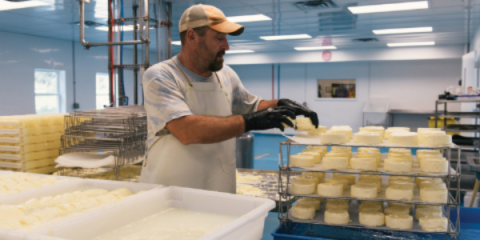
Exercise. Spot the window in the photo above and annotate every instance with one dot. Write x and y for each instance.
(102, 91)
(49, 91)
(338, 88)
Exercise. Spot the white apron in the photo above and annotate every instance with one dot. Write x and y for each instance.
(201, 166)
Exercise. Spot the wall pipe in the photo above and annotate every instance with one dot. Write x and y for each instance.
(135, 52)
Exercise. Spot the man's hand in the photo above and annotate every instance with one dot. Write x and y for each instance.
(271, 117)
(299, 110)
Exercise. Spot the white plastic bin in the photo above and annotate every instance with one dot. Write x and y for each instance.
(251, 213)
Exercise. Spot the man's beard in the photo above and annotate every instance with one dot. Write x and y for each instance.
(215, 65)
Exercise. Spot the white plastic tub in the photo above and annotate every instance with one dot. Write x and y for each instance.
(251, 213)
(19, 235)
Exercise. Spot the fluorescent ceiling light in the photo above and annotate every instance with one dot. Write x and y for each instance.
(249, 18)
(176, 43)
(315, 48)
(5, 5)
(286, 37)
(389, 7)
(409, 44)
(403, 30)
(239, 51)
(125, 28)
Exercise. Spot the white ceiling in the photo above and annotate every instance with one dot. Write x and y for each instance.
(447, 17)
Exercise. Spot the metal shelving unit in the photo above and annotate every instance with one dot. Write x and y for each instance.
(473, 128)
(286, 172)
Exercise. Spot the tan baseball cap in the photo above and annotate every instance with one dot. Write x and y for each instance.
(206, 15)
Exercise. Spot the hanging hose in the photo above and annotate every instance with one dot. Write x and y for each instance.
(125, 98)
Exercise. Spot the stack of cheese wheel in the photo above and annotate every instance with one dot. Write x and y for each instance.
(337, 158)
(433, 191)
(374, 129)
(369, 138)
(366, 206)
(432, 161)
(399, 190)
(333, 138)
(342, 149)
(302, 160)
(364, 190)
(342, 181)
(317, 131)
(303, 186)
(370, 153)
(321, 150)
(404, 138)
(349, 177)
(336, 212)
(371, 218)
(391, 130)
(347, 130)
(434, 224)
(433, 137)
(304, 124)
(319, 175)
(315, 202)
(369, 164)
(310, 178)
(402, 205)
(303, 211)
(398, 217)
(399, 161)
(377, 179)
(330, 189)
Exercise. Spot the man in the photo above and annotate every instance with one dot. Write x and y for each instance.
(196, 106)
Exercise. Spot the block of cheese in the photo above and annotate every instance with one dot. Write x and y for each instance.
(372, 219)
(342, 181)
(421, 135)
(304, 124)
(432, 140)
(418, 180)
(409, 206)
(369, 206)
(377, 179)
(402, 184)
(363, 164)
(407, 151)
(434, 224)
(397, 210)
(318, 131)
(349, 177)
(427, 212)
(376, 155)
(389, 131)
(375, 184)
(379, 130)
(316, 156)
(333, 138)
(315, 202)
(363, 191)
(399, 193)
(302, 161)
(434, 165)
(330, 189)
(336, 216)
(300, 186)
(343, 129)
(335, 163)
(429, 206)
(319, 175)
(313, 179)
(400, 179)
(404, 138)
(369, 138)
(395, 166)
(368, 150)
(434, 194)
(337, 204)
(434, 184)
(303, 211)
(342, 149)
(399, 221)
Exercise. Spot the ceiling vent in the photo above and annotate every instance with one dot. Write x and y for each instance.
(365, 40)
(315, 5)
(335, 21)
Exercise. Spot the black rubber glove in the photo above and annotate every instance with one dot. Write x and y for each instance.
(271, 117)
(299, 110)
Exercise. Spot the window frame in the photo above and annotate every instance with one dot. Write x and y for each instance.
(59, 93)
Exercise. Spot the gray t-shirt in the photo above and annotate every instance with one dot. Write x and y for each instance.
(164, 93)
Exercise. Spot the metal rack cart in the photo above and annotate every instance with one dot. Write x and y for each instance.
(285, 176)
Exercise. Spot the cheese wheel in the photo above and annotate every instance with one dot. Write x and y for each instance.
(337, 154)
(404, 138)
(302, 187)
(363, 191)
(312, 179)
(340, 149)
(404, 205)
(434, 165)
(335, 163)
(418, 180)
(363, 164)
(349, 177)
(397, 210)
(318, 131)
(347, 133)
(434, 195)
(372, 219)
(316, 156)
(423, 134)
(370, 207)
(399, 193)
(330, 189)
(303, 211)
(372, 178)
(334, 216)
(394, 166)
(304, 124)
(406, 156)
(389, 131)
(427, 212)
(368, 150)
(369, 138)
(315, 202)
(319, 175)
(406, 151)
(377, 156)
(399, 221)
(337, 205)
(302, 161)
(433, 140)
(375, 184)
(333, 138)
(399, 183)
(400, 179)
(378, 130)
(429, 206)
(342, 181)
(432, 184)
(434, 224)
(323, 148)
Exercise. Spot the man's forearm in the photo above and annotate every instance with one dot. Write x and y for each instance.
(195, 129)
(266, 104)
